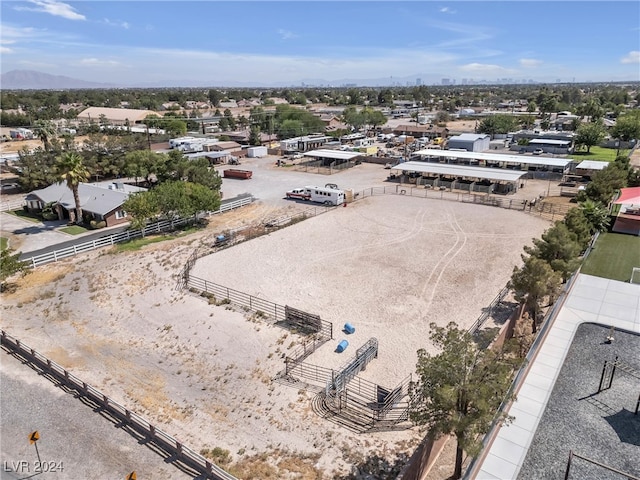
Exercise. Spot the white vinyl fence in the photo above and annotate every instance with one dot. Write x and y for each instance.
(13, 204)
(127, 235)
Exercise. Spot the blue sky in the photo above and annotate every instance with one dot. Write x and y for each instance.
(329, 42)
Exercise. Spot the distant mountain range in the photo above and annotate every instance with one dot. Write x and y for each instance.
(32, 80)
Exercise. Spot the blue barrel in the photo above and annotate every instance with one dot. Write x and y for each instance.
(342, 346)
(348, 328)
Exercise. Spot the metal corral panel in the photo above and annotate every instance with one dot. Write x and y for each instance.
(461, 171)
(496, 157)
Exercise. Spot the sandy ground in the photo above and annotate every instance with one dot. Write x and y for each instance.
(388, 265)
(203, 372)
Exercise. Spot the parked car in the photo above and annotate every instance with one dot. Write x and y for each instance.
(538, 151)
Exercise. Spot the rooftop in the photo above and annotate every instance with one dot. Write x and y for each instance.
(495, 174)
(337, 154)
(497, 157)
(592, 165)
(556, 410)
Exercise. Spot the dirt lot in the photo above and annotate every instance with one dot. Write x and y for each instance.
(389, 265)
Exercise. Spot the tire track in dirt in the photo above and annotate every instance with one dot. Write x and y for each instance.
(416, 227)
(447, 258)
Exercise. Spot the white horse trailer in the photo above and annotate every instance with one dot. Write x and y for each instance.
(328, 196)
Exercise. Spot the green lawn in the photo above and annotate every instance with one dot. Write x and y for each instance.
(74, 230)
(598, 153)
(4, 243)
(614, 256)
(138, 243)
(31, 217)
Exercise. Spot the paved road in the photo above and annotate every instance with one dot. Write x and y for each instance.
(75, 440)
(87, 237)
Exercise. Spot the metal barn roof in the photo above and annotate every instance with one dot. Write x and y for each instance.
(337, 154)
(592, 165)
(548, 141)
(462, 171)
(497, 157)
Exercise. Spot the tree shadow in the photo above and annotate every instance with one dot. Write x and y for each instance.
(377, 467)
(503, 311)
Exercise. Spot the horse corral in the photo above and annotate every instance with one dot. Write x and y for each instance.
(388, 265)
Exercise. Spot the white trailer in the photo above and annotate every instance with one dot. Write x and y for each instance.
(256, 152)
(326, 195)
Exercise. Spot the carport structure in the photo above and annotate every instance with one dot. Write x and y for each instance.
(460, 177)
(330, 159)
(537, 167)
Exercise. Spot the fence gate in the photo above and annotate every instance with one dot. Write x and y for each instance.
(304, 322)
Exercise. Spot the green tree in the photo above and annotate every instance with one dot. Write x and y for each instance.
(460, 389)
(385, 97)
(291, 128)
(72, 171)
(37, 169)
(184, 199)
(354, 117)
(590, 134)
(627, 127)
(45, 131)
(144, 164)
(559, 247)
(497, 124)
(10, 264)
(141, 207)
(254, 135)
(596, 215)
(532, 283)
(605, 183)
(577, 222)
(215, 97)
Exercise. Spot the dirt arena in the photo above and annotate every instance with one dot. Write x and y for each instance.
(389, 265)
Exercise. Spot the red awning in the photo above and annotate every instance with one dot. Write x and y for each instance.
(629, 196)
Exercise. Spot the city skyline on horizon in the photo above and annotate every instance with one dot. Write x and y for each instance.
(322, 43)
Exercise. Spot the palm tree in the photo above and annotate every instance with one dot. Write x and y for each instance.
(72, 171)
(45, 131)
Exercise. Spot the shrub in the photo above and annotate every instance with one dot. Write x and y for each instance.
(96, 224)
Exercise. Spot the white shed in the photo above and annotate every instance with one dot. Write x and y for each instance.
(256, 152)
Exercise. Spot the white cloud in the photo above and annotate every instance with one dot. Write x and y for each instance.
(485, 69)
(95, 62)
(6, 50)
(446, 10)
(530, 62)
(229, 67)
(57, 9)
(286, 34)
(116, 23)
(631, 57)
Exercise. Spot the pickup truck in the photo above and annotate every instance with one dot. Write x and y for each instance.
(300, 193)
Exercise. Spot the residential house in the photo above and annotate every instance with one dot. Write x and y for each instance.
(422, 131)
(627, 211)
(99, 201)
